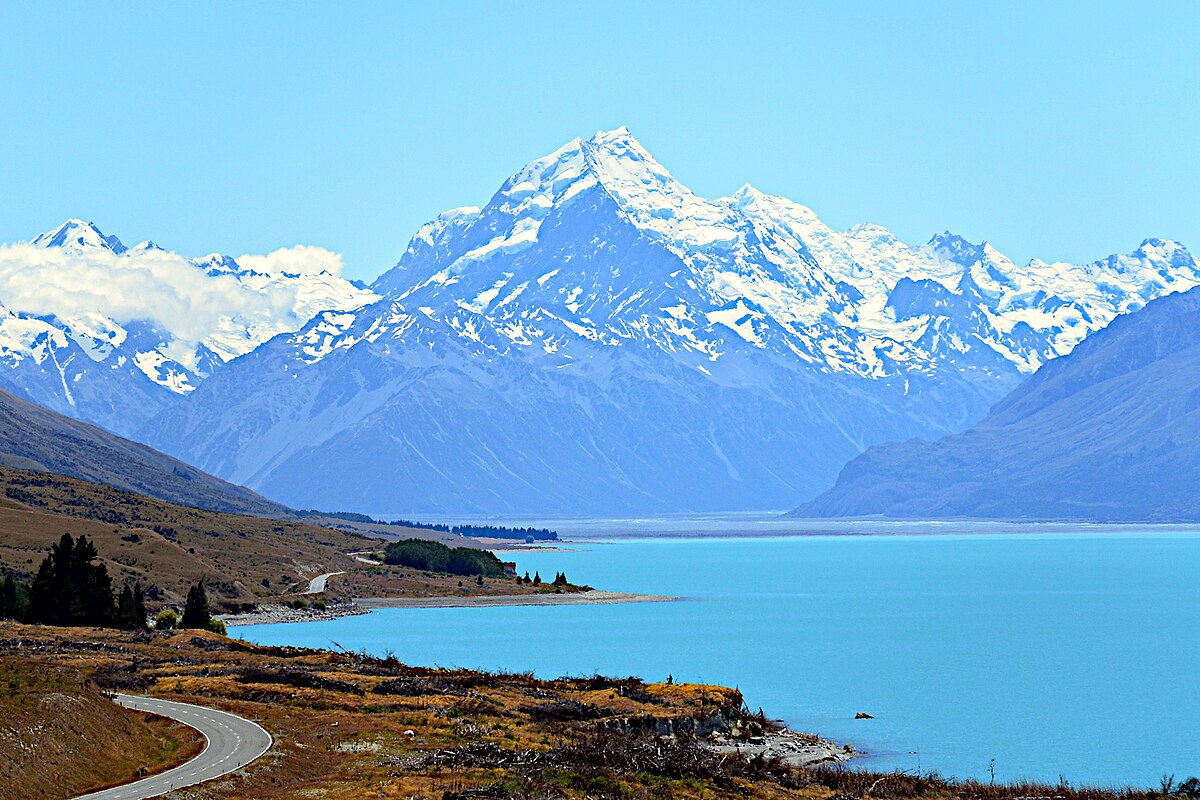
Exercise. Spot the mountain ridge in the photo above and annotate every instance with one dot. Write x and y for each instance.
(1107, 434)
(36, 438)
(728, 353)
(112, 334)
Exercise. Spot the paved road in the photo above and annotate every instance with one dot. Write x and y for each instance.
(231, 742)
(317, 584)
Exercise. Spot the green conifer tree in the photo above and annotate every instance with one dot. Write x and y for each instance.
(196, 612)
(125, 610)
(8, 598)
(139, 606)
(69, 589)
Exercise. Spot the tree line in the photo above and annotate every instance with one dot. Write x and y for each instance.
(485, 531)
(70, 589)
(560, 579)
(437, 557)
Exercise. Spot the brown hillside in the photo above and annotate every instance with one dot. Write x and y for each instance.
(36, 438)
(166, 545)
(243, 559)
(60, 736)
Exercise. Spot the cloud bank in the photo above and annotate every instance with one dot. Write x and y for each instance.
(154, 285)
(302, 259)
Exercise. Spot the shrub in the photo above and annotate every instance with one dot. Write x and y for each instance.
(167, 620)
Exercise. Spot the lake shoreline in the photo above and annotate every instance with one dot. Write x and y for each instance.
(594, 597)
(278, 614)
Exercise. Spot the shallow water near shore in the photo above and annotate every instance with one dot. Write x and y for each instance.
(1055, 654)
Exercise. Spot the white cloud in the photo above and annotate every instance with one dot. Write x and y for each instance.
(154, 285)
(302, 259)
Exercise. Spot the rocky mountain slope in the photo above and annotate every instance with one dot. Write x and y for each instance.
(1110, 432)
(35, 438)
(597, 338)
(113, 334)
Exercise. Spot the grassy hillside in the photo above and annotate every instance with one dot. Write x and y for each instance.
(60, 736)
(243, 559)
(35, 438)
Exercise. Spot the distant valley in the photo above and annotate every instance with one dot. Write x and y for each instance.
(596, 338)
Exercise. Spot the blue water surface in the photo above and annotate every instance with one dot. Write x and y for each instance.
(1054, 654)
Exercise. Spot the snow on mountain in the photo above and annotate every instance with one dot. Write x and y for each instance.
(598, 338)
(76, 234)
(766, 269)
(1107, 433)
(111, 334)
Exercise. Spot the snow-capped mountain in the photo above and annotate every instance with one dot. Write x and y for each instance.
(111, 334)
(1109, 433)
(597, 337)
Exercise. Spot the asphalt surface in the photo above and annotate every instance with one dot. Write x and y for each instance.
(232, 742)
(317, 584)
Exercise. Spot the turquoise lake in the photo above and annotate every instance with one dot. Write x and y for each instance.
(1055, 654)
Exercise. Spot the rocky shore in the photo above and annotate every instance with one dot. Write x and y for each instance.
(275, 613)
(593, 597)
(792, 748)
(271, 614)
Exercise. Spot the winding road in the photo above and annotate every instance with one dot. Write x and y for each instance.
(317, 584)
(231, 742)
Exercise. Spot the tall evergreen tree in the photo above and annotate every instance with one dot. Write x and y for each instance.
(139, 605)
(196, 613)
(69, 589)
(126, 613)
(13, 599)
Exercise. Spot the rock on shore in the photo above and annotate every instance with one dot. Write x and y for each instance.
(270, 614)
(792, 748)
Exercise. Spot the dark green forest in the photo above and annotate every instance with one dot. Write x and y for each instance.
(437, 557)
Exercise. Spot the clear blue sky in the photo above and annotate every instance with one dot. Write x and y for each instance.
(1055, 130)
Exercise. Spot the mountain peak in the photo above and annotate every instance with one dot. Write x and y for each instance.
(746, 192)
(614, 161)
(958, 250)
(79, 235)
(613, 135)
(218, 264)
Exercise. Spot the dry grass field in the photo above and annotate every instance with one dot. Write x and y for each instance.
(60, 736)
(243, 559)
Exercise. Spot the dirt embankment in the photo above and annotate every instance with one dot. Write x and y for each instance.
(60, 736)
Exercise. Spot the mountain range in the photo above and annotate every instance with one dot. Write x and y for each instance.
(597, 338)
(1108, 433)
(113, 334)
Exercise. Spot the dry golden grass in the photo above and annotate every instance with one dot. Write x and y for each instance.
(59, 734)
(243, 559)
(341, 720)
